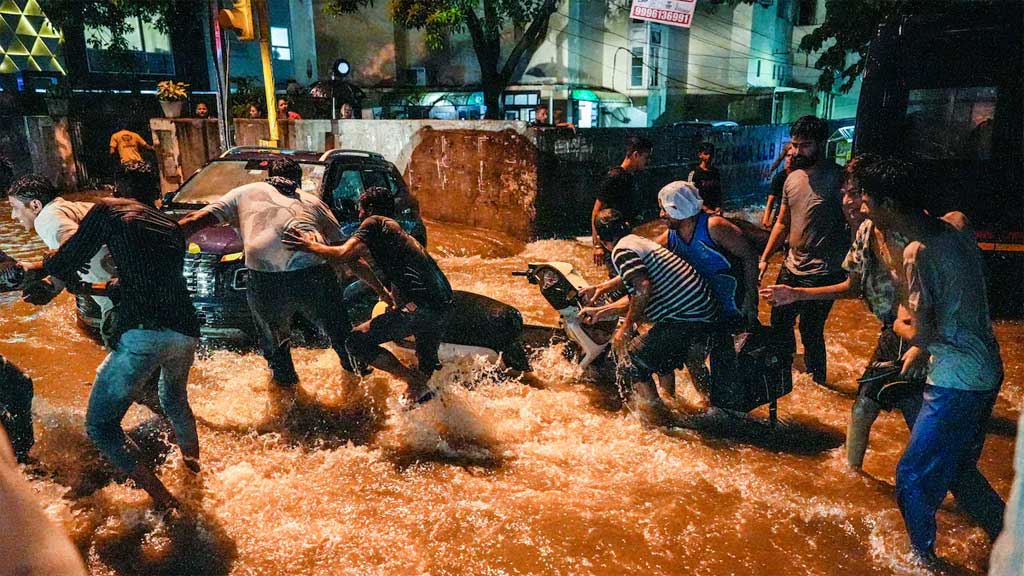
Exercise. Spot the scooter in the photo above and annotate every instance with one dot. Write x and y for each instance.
(748, 371)
(560, 284)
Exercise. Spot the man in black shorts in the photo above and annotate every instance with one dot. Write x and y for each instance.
(618, 192)
(662, 290)
(416, 290)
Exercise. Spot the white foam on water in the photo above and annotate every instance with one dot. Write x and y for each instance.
(539, 474)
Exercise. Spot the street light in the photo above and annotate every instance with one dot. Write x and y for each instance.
(339, 70)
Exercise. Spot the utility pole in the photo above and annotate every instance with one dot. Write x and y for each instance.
(262, 17)
(223, 84)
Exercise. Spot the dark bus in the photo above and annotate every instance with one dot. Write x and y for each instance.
(945, 90)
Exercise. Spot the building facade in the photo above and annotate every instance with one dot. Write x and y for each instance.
(597, 67)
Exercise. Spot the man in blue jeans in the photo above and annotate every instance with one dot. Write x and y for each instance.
(953, 343)
(154, 326)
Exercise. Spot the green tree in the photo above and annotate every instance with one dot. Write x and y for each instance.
(116, 16)
(850, 26)
(485, 20)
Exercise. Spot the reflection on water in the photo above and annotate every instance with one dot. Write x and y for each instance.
(501, 476)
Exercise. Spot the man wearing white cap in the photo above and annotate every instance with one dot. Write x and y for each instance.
(716, 248)
(713, 245)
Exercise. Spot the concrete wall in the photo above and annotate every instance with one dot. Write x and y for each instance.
(504, 176)
(479, 173)
(40, 144)
(183, 145)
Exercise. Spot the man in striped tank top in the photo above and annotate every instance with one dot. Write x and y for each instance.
(662, 290)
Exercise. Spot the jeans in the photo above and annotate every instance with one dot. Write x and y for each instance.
(942, 455)
(812, 315)
(276, 297)
(139, 354)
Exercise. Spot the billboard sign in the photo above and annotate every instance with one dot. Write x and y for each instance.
(671, 12)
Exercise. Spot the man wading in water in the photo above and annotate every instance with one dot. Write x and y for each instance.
(953, 343)
(416, 290)
(811, 218)
(282, 283)
(661, 289)
(717, 249)
(617, 192)
(149, 333)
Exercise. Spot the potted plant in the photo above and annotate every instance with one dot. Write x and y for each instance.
(172, 96)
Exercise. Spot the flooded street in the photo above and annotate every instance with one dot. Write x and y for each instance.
(539, 476)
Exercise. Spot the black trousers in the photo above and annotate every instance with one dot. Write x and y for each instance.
(16, 394)
(276, 297)
(425, 324)
(812, 316)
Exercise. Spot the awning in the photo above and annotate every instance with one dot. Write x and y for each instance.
(598, 95)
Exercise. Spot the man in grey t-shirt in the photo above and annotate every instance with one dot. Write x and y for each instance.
(811, 218)
(282, 282)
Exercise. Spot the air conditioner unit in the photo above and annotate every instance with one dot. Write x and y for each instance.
(416, 76)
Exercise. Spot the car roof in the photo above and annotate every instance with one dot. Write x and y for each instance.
(303, 156)
(264, 152)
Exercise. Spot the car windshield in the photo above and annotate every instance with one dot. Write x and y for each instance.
(220, 176)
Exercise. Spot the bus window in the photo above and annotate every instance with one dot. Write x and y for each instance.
(950, 123)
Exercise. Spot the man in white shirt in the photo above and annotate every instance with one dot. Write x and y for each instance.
(36, 205)
(282, 282)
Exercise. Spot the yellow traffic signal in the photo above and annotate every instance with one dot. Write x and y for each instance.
(239, 18)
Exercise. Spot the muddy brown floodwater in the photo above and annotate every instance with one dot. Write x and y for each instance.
(504, 477)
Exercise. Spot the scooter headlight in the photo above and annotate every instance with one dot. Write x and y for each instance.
(547, 278)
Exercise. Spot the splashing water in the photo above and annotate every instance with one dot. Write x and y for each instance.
(539, 474)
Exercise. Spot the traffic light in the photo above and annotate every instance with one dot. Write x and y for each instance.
(239, 18)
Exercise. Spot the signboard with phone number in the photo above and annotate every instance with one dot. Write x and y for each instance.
(671, 12)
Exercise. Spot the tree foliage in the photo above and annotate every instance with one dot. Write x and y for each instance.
(848, 29)
(116, 16)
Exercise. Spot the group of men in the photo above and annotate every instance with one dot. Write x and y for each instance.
(863, 232)
(693, 287)
(123, 250)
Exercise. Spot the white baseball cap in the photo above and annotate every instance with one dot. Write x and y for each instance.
(680, 200)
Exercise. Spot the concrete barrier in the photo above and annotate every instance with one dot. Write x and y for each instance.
(40, 144)
(183, 145)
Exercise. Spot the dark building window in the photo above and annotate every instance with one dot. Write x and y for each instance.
(149, 51)
(805, 15)
(636, 79)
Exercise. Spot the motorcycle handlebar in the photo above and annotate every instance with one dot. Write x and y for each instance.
(521, 273)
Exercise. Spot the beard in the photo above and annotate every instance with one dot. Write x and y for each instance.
(800, 162)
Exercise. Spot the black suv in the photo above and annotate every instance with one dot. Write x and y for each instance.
(214, 265)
